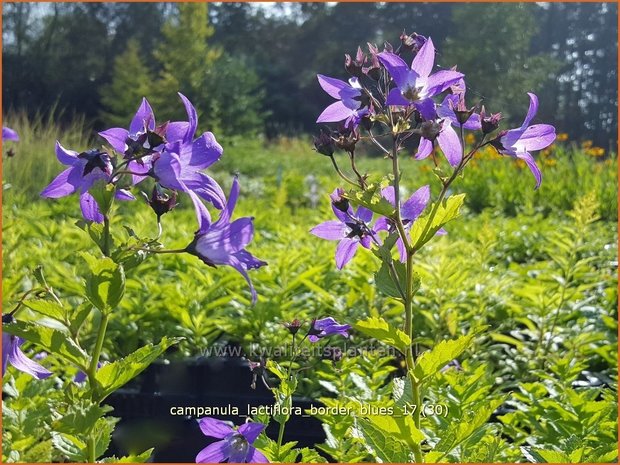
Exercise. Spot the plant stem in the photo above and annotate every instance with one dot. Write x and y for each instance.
(340, 173)
(106, 236)
(92, 372)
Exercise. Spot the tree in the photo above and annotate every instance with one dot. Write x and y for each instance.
(130, 82)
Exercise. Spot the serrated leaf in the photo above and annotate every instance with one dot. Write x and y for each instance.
(422, 232)
(115, 375)
(73, 448)
(385, 283)
(544, 456)
(400, 427)
(106, 284)
(134, 458)
(372, 199)
(48, 308)
(383, 447)
(379, 329)
(52, 341)
(401, 392)
(80, 418)
(431, 361)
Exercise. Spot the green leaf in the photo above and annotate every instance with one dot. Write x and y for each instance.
(115, 375)
(51, 340)
(73, 448)
(106, 284)
(544, 456)
(383, 332)
(103, 434)
(400, 427)
(383, 447)
(80, 418)
(103, 194)
(372, 199)
(385, 283)
(134, 458)
(431, 361)
(421, 232)
(48, 308)
(401, 392)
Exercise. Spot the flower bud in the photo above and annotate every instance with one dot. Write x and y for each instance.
(324, 144)
(293, 326)
(339, 201)
(430, 130)
(161, 202)
(7, 318)
(96, 159)
(412, 42)
(355, 66)
(332, 353)
(489, 123)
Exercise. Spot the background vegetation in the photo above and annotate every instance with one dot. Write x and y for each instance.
(251, 68)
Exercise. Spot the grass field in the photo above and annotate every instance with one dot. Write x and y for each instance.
(526, 265)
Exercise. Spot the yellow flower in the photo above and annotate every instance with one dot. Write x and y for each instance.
(550, 162)
(586, 144)
(595, 152)
(470, 138)
(561, 137)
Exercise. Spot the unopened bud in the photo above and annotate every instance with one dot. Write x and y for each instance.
(430, 130)
(324, 144)
(489, 123)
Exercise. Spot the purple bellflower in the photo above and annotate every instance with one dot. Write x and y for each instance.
(327, 327)
(234, 446)
(11, 353)
(9, 134)
(224, 242)
(85, 169)
(518, 142)
(349, 105)
(410, 211)
(351, 229)
(416, 85)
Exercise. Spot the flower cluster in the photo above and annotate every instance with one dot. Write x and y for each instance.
(173, 157)
(409, 101)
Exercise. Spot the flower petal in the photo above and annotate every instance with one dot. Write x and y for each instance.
(203, 217)
(116, 137)
(532, 110)
(364, 214)
(332, 86)
(424, 149)
(331, 230)
(207, 188)
(535, 137)
(217, 452)
(424, 59)
(90, 208)
(191, 116)
(143, 118)
(441, 80)
(19, 360)
(9, 134)
(66, 157)
(62, 185)
(395, 97)
(335, 112)
(397, 68)
(345, 251)
(176, 131)
(426, 107)
(415, 205)
(450, 144)
(529, 160)
(256, 456)
(251, 430)
(214, 428)
(204, 151)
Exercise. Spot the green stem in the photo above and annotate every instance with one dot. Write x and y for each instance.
(340, 173)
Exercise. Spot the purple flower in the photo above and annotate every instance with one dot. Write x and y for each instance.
(235, 446)
(351, 229)
(416, 85)
(224, 242)
(85, 169)
(519, 141)
(80, 377)
(349, 104)
(326, 327)
(9, 134)
(410, 211)
(11, 353)
(447, 138)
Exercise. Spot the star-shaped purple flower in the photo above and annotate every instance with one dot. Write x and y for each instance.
(351, 229)
(416, 85)
(448, 141)
(349, 104)
(9, 134)
(327, 327)
(224, 242)
(11, 353)
(410, 211)
(235, 445)
(518, 142)
(85, 169)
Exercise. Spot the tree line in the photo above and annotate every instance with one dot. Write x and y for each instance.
(252, 69)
